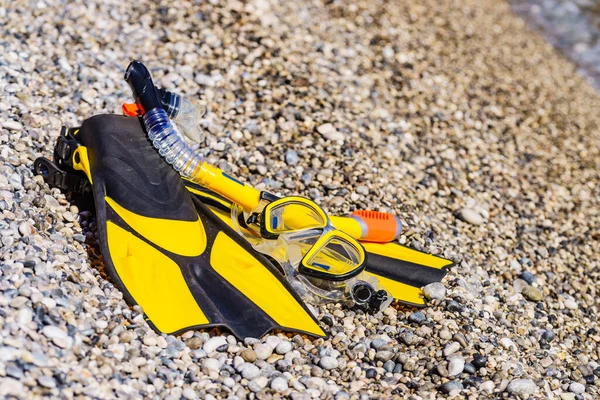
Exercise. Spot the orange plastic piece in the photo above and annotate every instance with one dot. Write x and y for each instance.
(381, 227)
(132, 109)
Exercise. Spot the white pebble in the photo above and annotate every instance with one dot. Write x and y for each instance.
(12, 125)
(328, 362)
(249, 371)
(279, 384)
(212, 364)
(284, 347)
(213, 344)
(470, 216)
(521, 387)
(57, 335)
(263, 351)
(576, 388)
(456, 365)
(434, 291)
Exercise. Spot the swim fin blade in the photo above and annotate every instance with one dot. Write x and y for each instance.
(403, 271)
(180, 262)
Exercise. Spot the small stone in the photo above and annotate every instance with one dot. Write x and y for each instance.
(451, 386)
(249, 371)
(211, 364)
(59, 337)
(213, 344)
(548, 336)
(434, 291)
(417, 317)
(279, 384)
(532, 293)
(528, 277)
(330, 133)
(470, 216)
(13, 371)
(263, 351)
(194, 343)
(47, 381)
(470, 369)
(328, 362)
(258, 384)
(384, 355)
(371, 373)
(571, 304)
(453, 306)
(576, 387)
(291, 157)
(25, 229)
(378, 342)
(508, 344)
(479, 361)
(205, 80)
(389, 366)
(249, 355)
(362, 189)
(521, 387)
(407, 337)
(12, 125)
(451, 348)
(456, 365)
(188, 393)
(487, 386)
(284, 347)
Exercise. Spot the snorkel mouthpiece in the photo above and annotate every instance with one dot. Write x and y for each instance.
(140, 81)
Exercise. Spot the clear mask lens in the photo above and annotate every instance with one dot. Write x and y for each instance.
(336, 257)
(292, 216)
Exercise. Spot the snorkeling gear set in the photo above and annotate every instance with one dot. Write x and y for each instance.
(197, 248)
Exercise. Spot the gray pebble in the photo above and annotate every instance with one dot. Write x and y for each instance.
(389, 366)
(377, 343)
(528, 277)
(291, 157)
(521, 387)
(384, 355)
(47, 381)
(417, 317)
(548, 336)
(451, 386)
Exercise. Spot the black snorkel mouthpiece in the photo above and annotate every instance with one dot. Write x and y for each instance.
(140, 81)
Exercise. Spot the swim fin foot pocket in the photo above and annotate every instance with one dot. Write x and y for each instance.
(175, 258)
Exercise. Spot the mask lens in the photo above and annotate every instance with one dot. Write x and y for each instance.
(337, 257)
(292, 216)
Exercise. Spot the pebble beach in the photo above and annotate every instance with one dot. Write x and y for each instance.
(455, 115)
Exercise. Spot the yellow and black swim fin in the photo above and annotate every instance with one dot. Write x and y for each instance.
(180, 262)
(403, 271)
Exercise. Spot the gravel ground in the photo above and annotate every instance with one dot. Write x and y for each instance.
(452, 114)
